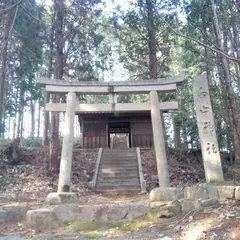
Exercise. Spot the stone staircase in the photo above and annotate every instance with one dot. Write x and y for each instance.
(118, 172)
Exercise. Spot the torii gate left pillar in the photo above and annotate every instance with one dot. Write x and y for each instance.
(64, 194)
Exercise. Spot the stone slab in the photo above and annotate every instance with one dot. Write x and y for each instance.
(212, 191)
(237, 193)
(113, 213)
(166, 214)
(3, 215)
(189, 192)
(41, 219)
(189, 205)
(62, 197)
(173, 205)
(196, 192)
(166, 194)
(17, 214)
(209, 202)
(117, 213)
(158, 204)
(226, 192)
(201, 192)
(120, 212)
(137, 210)
(69, 213)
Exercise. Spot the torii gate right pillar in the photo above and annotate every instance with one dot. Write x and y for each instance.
(159, 142)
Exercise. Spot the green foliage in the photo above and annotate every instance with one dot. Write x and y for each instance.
(36, 142)
(77, 142)
(131, 30)
(5, 141)
(31, 142)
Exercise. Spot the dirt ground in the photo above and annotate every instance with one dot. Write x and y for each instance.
(30, 183)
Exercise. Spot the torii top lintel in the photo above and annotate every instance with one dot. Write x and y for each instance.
(122, 87)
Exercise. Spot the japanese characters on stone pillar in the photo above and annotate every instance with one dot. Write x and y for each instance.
(206, 127)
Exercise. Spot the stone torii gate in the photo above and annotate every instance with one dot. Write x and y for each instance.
(151, 87)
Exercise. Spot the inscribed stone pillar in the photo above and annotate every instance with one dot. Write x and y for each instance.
(67, 147)
(206, 127)
(159, 143)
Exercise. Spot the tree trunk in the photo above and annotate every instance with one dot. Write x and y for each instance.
(19, 130)
(11, 16)
(39, 119)
(152, 45)
(3, 74)
(14, 124)
(185, 138)
(54, 138)
(230, 92)
(32, 107)
(235, 42)
(47, 96)
(177, 133)
(9, 126)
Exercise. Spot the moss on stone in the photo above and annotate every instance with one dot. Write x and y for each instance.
(90, 226)
(65, 188)
(169, 209)
(216, 180)
(93, 235)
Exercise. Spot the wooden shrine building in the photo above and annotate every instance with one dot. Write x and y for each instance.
(97, 129)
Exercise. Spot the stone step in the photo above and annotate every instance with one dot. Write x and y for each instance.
(111, 150)
(120, 155)
(119, 175)
(119, 164)
(117, 170)
(129, 154)
(118, 192)
(120, 182)
(116, 159)
(123, 163)
(124, 177)
(118, 187)
(117, 156)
